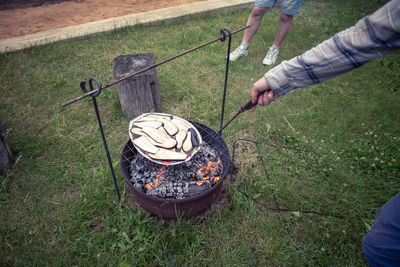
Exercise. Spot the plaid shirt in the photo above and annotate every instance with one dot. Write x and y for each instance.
(373, 36)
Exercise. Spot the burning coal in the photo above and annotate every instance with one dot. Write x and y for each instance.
(177, 181)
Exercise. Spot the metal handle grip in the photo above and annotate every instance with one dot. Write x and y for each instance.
(247, 106)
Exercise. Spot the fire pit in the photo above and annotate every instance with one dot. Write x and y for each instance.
(193, 203)
(187, 189)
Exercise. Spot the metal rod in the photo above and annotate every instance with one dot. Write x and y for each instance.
(90, 93)
(96, 109)
(246, 106)
(106, 147)
(226, 72)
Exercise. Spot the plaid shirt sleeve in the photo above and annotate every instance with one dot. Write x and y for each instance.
(373, 36)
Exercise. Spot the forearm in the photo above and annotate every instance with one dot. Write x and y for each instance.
(373, 36)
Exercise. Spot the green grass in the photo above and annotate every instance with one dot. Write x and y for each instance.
(58, 205)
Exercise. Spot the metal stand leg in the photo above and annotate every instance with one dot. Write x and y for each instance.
(223, 38)
(101, 126)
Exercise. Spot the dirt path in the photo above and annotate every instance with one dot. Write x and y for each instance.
(22, 21)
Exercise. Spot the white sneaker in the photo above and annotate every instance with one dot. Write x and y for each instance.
(271, 56)
(240, 51)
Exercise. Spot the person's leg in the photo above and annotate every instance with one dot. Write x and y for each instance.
(381, 246)
(254, 20)
(285, 23)
(289, 8)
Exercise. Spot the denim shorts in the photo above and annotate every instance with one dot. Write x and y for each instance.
(289, 7)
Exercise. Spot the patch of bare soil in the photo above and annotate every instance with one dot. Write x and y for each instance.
(12, 4)
(21, 17)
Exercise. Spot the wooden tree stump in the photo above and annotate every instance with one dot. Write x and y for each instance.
(141, 93)
(6, 158)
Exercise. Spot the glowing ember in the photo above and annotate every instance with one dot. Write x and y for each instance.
(159, 175)
(203, 174)
(207, 171)
(180, 181)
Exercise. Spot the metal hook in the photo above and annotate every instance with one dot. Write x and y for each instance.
(222, 34)
(98, 89)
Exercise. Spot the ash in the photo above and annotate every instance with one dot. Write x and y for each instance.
(180, 181)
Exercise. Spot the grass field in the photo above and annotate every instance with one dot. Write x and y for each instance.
(58, 205)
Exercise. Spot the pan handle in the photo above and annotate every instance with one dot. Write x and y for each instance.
(247, 106)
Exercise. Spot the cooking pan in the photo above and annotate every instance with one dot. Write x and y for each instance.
(195, 149)
(172, 118)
